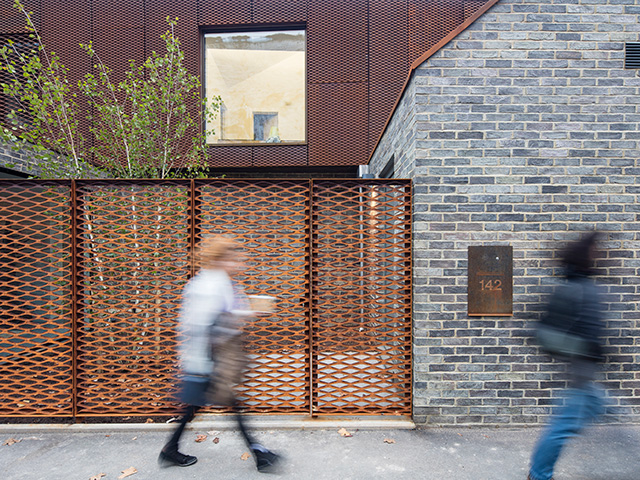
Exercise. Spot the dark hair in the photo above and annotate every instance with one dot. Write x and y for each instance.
(578, 256)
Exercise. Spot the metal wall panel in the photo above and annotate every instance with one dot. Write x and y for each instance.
(133, 259)
(361, 297)
(337, 133)
(430, 21)
(224, 12)
(272, 156)
(279, 11)
(36, 340)
(233, 157)
(63, 34)
(388, 60)
(270, 219)
(186, 31)
(13, 20)
(337, 41)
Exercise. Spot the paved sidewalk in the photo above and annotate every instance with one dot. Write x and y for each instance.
(59, 453)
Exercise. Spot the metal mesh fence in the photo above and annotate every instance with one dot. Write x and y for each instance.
(92, 273)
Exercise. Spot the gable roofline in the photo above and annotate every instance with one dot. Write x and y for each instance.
(424, 57)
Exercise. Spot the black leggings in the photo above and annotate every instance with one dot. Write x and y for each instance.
(190, 412)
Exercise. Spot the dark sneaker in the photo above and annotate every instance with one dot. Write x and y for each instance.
(166, 459)
(266, 461)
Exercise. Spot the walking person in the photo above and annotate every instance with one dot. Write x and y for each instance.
(583, 402)
(214, 309)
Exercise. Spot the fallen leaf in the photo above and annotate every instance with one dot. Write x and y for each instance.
(216, 440)
(245, 456)
(134, 438)
(149, 420)
(343, 432)
(98, 476)
(128, 472)
(389, 440)
(11, 441)
(201, 438)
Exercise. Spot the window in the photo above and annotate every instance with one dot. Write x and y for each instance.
(260, 77)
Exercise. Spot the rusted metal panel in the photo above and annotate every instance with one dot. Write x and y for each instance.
(361, 297)
(133, 259)
(279, 11)
(490, 280)
(430, 21)
(224, 12)
(337, 41)
(270, 156)
(35, 299)
(92, 271)
(343, 141)
(270, 218)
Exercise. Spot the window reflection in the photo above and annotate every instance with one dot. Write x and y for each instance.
(261, 79)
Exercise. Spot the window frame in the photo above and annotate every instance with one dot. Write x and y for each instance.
(272, 27)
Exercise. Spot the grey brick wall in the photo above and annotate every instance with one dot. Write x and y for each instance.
(522, 131)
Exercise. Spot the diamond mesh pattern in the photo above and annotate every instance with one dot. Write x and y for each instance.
(361, 336)
(133, 243)
(278, 11)
(337, 42)
(91, 279)
(270, 219)
(12, 20)
(344, 140)
(430, 21)
(35, 299)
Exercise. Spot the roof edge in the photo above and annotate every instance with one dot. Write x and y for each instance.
(425, 56)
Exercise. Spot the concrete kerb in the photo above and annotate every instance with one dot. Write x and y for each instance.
(205, 422)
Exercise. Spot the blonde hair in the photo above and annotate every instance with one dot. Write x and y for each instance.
(213, 249)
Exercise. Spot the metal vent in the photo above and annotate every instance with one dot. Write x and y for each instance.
(632, 55)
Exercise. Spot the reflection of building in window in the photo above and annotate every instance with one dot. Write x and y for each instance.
(261, 79)
(265, 127)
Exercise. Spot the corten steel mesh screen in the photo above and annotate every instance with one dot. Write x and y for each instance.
(133, 260)
(35, 299)
(270, 220)
(92, 273)
(361, 297)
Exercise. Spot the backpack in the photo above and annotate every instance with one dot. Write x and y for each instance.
(556, 332)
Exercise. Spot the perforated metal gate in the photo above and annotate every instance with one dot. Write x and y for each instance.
(91, 274)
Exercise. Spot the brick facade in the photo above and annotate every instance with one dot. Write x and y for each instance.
(523, 130)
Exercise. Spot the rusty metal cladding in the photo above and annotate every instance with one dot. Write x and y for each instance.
(123, 14)
(133, 260)
(361, 309)
(471, 7)
(13, 20)
(268, 156)
(63, 34)
(270, 220)
(430, 21)
(279, 11)
(224, 12)
(388, 36)
(368, 42)
(337, 42)
(186, 30)
(229, 156)
(343, 141)
(35, 299)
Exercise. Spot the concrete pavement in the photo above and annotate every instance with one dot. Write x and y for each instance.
(385, 451)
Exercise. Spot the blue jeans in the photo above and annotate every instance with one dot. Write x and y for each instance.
(581, 405)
